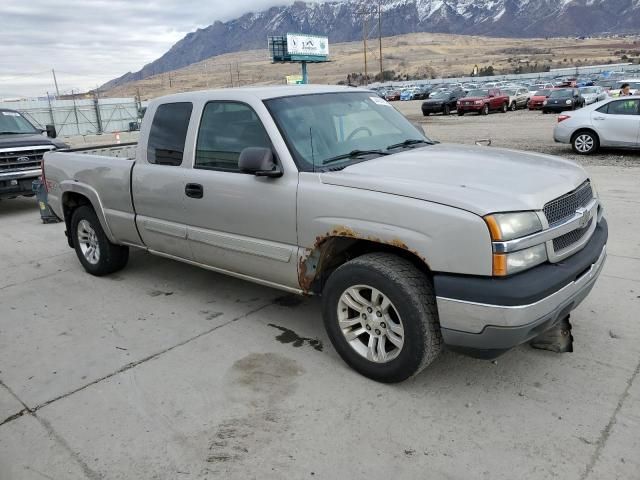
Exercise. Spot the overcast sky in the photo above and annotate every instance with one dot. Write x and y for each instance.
(89, 42)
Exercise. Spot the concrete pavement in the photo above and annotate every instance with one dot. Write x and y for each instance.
(165, 371)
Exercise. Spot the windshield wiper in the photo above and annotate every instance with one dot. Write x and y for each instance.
(354, 154)
(408, 143)
(12, 133)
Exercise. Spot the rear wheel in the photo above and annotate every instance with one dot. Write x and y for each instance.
(585, 142)
(380, 314)
(96, 253)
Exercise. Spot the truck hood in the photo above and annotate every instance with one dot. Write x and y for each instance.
(481, 180)
(28, 140)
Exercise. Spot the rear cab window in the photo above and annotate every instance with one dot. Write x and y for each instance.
(168, 133)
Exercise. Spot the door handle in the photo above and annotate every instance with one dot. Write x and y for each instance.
(598, 118)
(194, 190)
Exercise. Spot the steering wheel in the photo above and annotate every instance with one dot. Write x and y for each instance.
(357, 130)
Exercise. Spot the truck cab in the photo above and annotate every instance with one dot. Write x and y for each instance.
(22, 147)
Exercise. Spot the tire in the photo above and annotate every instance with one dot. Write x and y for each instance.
(411, 305)
(585, 142)
(505, 108)
(485, 110)
(461, 113)
(446, 110)
(87, 234)
(513, 106)
(426, 114)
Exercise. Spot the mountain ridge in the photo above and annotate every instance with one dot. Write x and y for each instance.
(342, 22)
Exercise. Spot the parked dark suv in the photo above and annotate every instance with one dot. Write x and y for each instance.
(21, 149)
(442, 102)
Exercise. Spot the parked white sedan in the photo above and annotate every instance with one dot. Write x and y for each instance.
(610, 123)
(593, 94)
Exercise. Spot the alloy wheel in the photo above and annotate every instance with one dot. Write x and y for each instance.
(88, 240)
(370, 323)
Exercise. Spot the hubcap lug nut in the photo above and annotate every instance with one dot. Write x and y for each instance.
(368, 327)
(379, 314)
(369, 309)
(377, 332)
(383, 325)
(364, 316)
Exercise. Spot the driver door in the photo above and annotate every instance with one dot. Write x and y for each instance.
(237, 222)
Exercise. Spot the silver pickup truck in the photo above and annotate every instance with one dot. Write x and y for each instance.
(412, 244)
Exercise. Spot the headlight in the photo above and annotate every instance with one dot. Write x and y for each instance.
(507, 226)
(544, 103)
(478, 102)
(568, 102)
(509, 263)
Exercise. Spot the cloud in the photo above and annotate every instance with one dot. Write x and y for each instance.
(89, 42)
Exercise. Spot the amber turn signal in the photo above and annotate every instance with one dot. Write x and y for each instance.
(499, 264)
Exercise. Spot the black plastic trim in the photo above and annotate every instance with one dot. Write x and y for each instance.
(527, 287)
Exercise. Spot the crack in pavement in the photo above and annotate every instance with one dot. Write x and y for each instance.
(33, 279)
(606, 431)
(90, 473)
(131, 365)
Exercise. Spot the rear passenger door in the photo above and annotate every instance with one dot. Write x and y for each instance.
(242, 223)
(158, 183)
(618, 123)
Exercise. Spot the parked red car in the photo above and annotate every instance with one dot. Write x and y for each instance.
(392, 95)
(537, 100)
(483, 101)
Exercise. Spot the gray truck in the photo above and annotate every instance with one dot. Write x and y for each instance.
(21, 149)
(413, 245)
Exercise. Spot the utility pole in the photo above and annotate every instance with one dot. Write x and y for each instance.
(380, 39)
(231, 74)
(364, 39)
(56, 82)
(238, 70)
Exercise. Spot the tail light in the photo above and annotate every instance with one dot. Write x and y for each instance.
(562, 118)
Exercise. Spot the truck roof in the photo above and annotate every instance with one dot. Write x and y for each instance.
(261, 93)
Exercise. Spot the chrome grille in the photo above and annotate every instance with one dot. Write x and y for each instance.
(18, 159)
(570, 238)
(565, 207)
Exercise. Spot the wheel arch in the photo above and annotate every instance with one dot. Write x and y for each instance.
(72, 198)
(330, 252)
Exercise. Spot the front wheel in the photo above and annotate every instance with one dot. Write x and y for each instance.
(380, 314)
(505, 108)
(513, 107)
(461, 113)
(446, 110)
(96, 253)
(485, 110)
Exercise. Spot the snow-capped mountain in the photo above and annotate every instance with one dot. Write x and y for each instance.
(342, 21)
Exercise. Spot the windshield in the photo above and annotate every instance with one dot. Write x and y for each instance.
(588, 90)
(543, 93)
(478, 93)
(13, 122)
(439, 95)
(510, 92)
(561, 94)
(321, 127)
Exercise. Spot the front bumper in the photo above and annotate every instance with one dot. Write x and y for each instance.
(13, 184)
(484, 317)
(470, 108)
(433, 108)
(556, 108)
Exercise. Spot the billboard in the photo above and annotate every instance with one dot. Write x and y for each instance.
(307, 45)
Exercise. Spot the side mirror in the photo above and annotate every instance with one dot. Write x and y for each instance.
(51, 131)
(259, 161)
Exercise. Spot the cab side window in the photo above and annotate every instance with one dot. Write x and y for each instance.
(226, 129)
(168, 133)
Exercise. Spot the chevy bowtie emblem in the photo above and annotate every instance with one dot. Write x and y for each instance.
(23, 159)
(585, 217)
